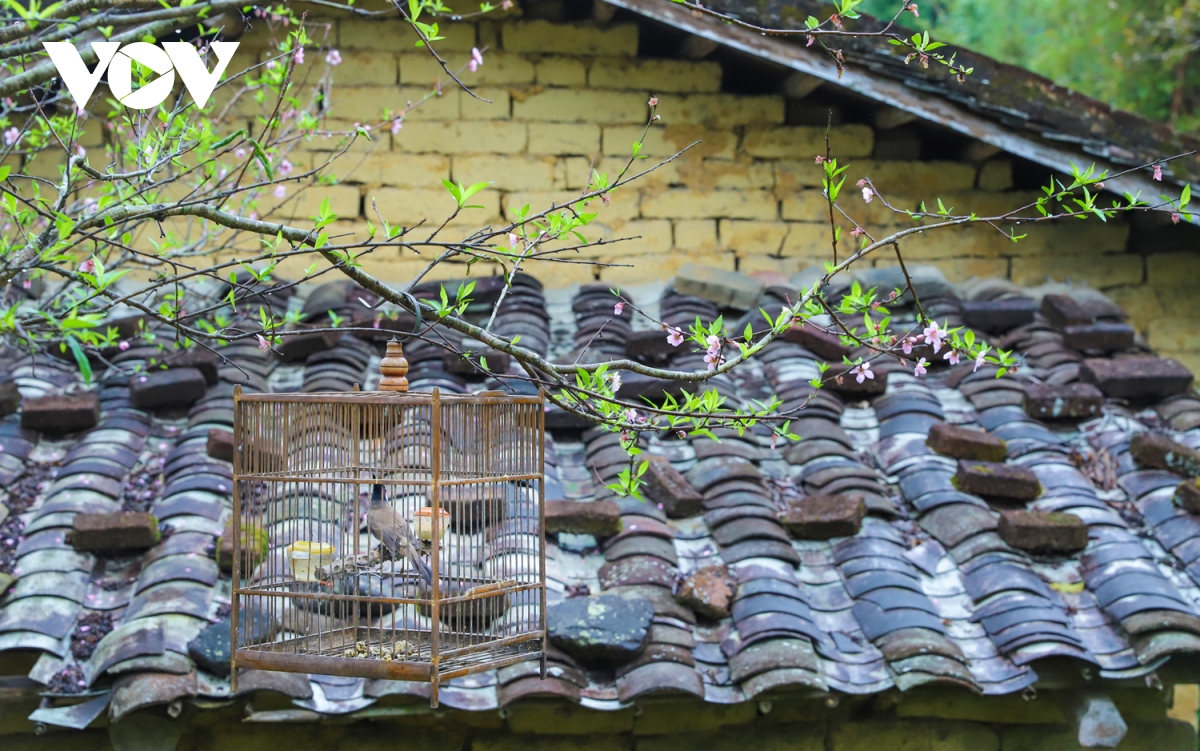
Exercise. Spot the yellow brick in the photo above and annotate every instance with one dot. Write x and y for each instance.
(656, 76)
(664, 141)
(845, 142)
(752, 238)
(1092, 268)
(656, 179)
(570, 39)
(720, 173)
(638, 269)
(91, 134)
(487, 104)
(560, 71)
(696, 235)
(1142, 302)
(582, 106)
(506, 172)
(366, 104)
(464, 137)
(623, 239)
(681, 203)
(1173, 269)
(394, 35)
(798, 174)
(1174, 334)
(358, 68)
(812, 206)
(1190, 359)
(811, 241)
(958, 269)
(305, 202)
(979, 240)
(995, 174)
(388, 168)
(408, 206)
(622, 207)
(925, 180)
(563, 138)
(556, 274)
(720, 110)
(1074, 236)
(785, 265)
(498, 69)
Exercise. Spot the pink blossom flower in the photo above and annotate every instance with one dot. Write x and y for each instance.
(263, 344)
(934, 336)
(271, 65)
(1100, 185)
(862, 372)
(11, 136)
(285, 167)
(913, 8)
(857, 232)
(124, 345)
(280, 191)
(713, 359)
(653, 101)
(620, 306)
(27, 284)
(951, 356)
(819, 159)
(1175, 218)
(397, 124)
(616, 382)
(907, 345)
(513, 239)
(88, 266)
(920, 369)
(476, 59)
(631, 415)
(674, 336)
(298, 56)
(774, 440)
(714, 343)
(868, 194)
(334, 57)
(1158, 172)
(979, 359)
(253, 216)
(239, 153)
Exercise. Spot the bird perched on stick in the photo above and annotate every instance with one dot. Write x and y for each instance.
(390, 528)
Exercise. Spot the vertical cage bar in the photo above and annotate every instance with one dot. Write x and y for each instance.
(236, 526)
(435, 467)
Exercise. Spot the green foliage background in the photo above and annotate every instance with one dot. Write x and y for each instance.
(1125, 52)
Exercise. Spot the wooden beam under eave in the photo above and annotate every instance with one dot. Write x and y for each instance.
(697, 48)
(799, 85)
(886, 118)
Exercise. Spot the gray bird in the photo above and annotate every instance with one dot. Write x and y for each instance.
(391, 529)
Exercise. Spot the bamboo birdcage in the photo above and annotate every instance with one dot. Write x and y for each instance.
(326, 489)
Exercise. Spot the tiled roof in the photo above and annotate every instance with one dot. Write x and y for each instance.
(926, 592)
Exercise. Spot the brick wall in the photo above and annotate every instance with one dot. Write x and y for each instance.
(747, 196)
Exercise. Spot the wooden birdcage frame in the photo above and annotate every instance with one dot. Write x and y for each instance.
(303, 467)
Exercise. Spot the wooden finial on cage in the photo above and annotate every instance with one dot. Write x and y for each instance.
(394, 368)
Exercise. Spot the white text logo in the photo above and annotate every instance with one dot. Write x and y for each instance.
(166, 60)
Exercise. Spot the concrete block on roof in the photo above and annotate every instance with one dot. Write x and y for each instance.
(61, 413)
(729, 289)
